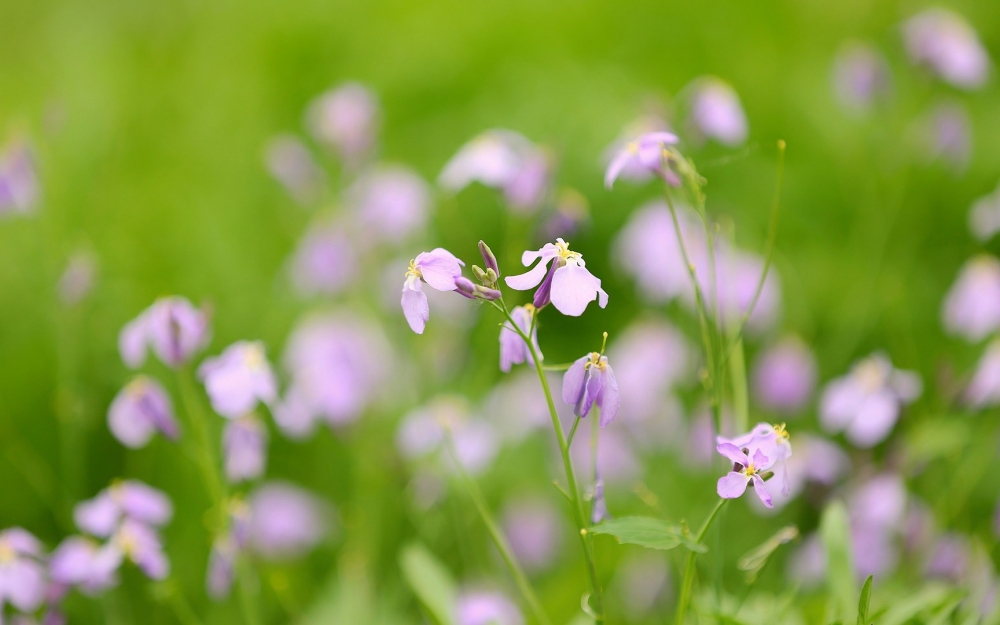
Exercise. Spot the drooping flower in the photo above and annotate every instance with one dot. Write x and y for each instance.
(238, 379)
(649, 152)
(324, 262)
(244, 445)
(346, 120)
(943, 41)
(772, 441)
(129, 499)
(140, 410)
(565, 280)
(173, 328)
(716, 112)
(745, 470)
(984, 387)
(486, 608)
(438, 268)
(513, 350)
(984, 216)
(289, 162)
(784, 376)
(533, 527)
(22, 573)
(19, 188)
(860, 76)
(865, 403)
(391, 202)
(589, 381)
(971, 308)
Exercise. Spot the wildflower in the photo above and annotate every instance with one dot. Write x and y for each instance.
(784, 376)
(984, 388)
(971, 308)
(324, 262)
(221, 567)
(944, 42)
(644, 585)
(876, 512)
(423, 433)
(438, 268)
(866, 402)
(652, 357)
(773, 442)
(141, 545)
(570, 213)
(84, 563)
(649, 152)
(948, 135)
(860, 75)
(744, 471)
(77, 280)
(346, 120)
(126, 500)
(984, 216)
(172, 327)
(716, 112)
(617, 456)
(486, 608)
(818, 461)
(22, 574)
(285, 521)
(244, 443)
(19, 188)
(513, 350)
(591, 381)
(567, 283)
(391, 202)
(467, 288)
(289, 162)
(533, 527)
(140, 410)
(238, 378)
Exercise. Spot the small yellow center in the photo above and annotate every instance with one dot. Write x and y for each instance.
(136, 387)
(871, 375)
(413, 270)
(595, 361)
(564, 251)
(750, 470)
(530, 308)
(128, 544)
(254, 357)
(781, 432)
(7, 553)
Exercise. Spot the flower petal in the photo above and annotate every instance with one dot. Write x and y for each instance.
(731, 486)
(874, 419)
(415, 308)
(439, 268)
(573, 287)
(733, 453)
(529, 279)
(765, 497)
(610, 399)
(572, 390)
(617, 164)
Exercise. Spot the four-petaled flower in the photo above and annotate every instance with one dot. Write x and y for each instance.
(238, 378)
(590, 381)
(648, 151)
(773, 442)
(566, 283)
(745, 469)
(140, 410)
(172, 327)
(438, 268)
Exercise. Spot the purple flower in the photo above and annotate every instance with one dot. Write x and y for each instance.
(22, 574)
(85, 564)
(346, 120)
(129, 499)
(949, 559)
(19, 188)
(807, 564)
(438, 268)
(984, 388)
(744, 471)
(172, 327)
(288, 160)
(239, 378)
(513, 350)
(140, 410)
(649, 152)
(948, 135)
(221, 567)
(773, 442)
(617, 458)
(944, 42)
(567, 284)
(590, 381)
(141, 545)
(570, 214)
(880, 502)
(244, 445)
(984, 216)
(818, 461)
(422, 433)
(644, 585)
(285, 521)
(971, 308)
(533, 527)
(324, 260)
(486, 608)
(391, 201)
(860, 75)
(716, 112)
(866, 402)
(652, 358)
(784, 376)
(77, 280)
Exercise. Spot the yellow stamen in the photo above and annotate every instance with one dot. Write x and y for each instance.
(7, 553)
(564, 252)
(781, 432)
(413, 270)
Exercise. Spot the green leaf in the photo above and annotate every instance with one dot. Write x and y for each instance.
(430, 581)
(647, 532)
(836, 535)
(866, 599)
(753, 562)
(928, 598)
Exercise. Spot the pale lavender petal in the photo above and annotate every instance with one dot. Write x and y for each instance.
(143, 502)
(617, 164)
(573, 287)
(415, 308)
(25, 583)
(22, 542)
(244, 442)
(286, 521)
(609, 400)
(732, 486)
(573, 381)
(72, 561)
(238, 379)
(528, 280)
(221, 568)
(439, 268)
(132, 342)
(733, 452)
(765, 497)
(533, 527)
(486, 608)
(294, 416)
(874, 420)
(760, 461)
(98, 516)
(176, 330)
(839, 404)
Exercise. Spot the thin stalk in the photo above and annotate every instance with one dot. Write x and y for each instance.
(689, 569)
(596, 597)
(502, 545)
(741, 402)
(572, 432)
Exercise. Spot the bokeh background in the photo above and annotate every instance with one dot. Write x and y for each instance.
(149, 123)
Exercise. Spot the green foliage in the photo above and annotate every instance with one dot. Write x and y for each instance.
(836, 535)
(648, 532)
(865, 602)
(754, 561)
(430, 581)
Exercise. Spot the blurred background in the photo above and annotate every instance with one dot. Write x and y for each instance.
(152, 126)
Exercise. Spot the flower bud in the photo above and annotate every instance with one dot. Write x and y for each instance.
(491, 276)
(488, 258)
(479, 273)
(487, 293)
(465, 287)
(543, 295)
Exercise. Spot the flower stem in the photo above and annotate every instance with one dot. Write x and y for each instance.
(689, 570)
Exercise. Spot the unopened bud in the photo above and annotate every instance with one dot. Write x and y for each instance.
(491, 276)
(465, 287)
(479, 273)
(488, 258)
(487, 293)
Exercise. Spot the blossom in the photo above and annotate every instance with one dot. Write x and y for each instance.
(244, 444)
(346, 120)
(238, 378)
(818, 461)
(945, 134)
(984, 387)
(652, 357)
(486, 608)
(984, 216)
(289, 162)
(744, 471)
(141, 545)
(944, 42)
(285, 521)
(534, 528)
(716, 112)
(126, 500)
(784, 376)
(865, 403)
(860, 75)
(617, 456)
(876, 511)
(649, 152)
(589, 381)
(391, 202)
(84, 563)
(570, 213)
(221, 566)
(22, 574)
(173, 328)
(773, 443)
(140, 410)
(567, 283)
(19, 188)
(324, 261)
(438, 268)
(423, 433)
(971, 309)
(77, 280)
(513, 350)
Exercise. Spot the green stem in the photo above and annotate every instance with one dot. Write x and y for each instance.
(499, 539)
(689, 570)
(596, 597)
(572, 432)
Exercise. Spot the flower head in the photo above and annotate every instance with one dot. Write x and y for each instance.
(19, 187)
(565, 280)
(238, 379)
(944, 42)
(140, 410)
(513, 350)
(324, 261)
(244, 445)
(649, 152)
(971, 308)
(533, 525)
(984, 216)
(172, 327)
(591, 381)
(77, 280)
(129, 499)
(772, 441)
(86, 564)
(745, 470)
(392, 202)
(784, 376)
(438, 268)
(22, 574)
(288, 160)
(716, 112)
(486, 608)
(285, 521)
(984, 388)
(346, 120)
(860, 76)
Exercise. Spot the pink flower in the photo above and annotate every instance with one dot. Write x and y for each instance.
(984, 388)
(534, 528)
(346, 120)
(944, 42)
(590, 381)
(648, 152)
(971, 308)
(513, 350)
(784, 376)
(860, 75)
(984, 216)
(745, 470)
(22, 573)
(244, 446)
(772, 442)
(324, 261)
(172, 327)
(486, 608)
(391, 202)
(567, 283)
(140, 410)
(238, 379)
(716, 112)
(19, 188)
(438, 268)
(288, 160)
(652, 357)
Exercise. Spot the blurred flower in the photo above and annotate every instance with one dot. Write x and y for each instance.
(617, 461)
(784, 376)
(125, 500)
(807, 564)
(948, 135)
(818, 460)
(422, 433)
(285, 521)
(516, 407)
(643, 582)
(633, 170)
(716, 112)
(78, 278)
(773, 443)
(141, 545)
(971, 308)
(738, 276)
(648, 152)
(534, 528)
(949, 559)
(324, 261)
(346, 120)
(221, 567)
(570, 212)
(19, 187)
(589, 381)
(486, 608)
(513, 350)
(22, 573)
(984, 388)
(337, 364)
(85, 564)
(944, 42)
(239, 378)
(745, 470)
(876, 511)
(860, 75)
(567, 284)
(392, 202)
(244, 445)
(172, 327)
(288, 160)
(140, 410)
(984, 216)
(866, 402)
(438, 268)
(504, 160)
